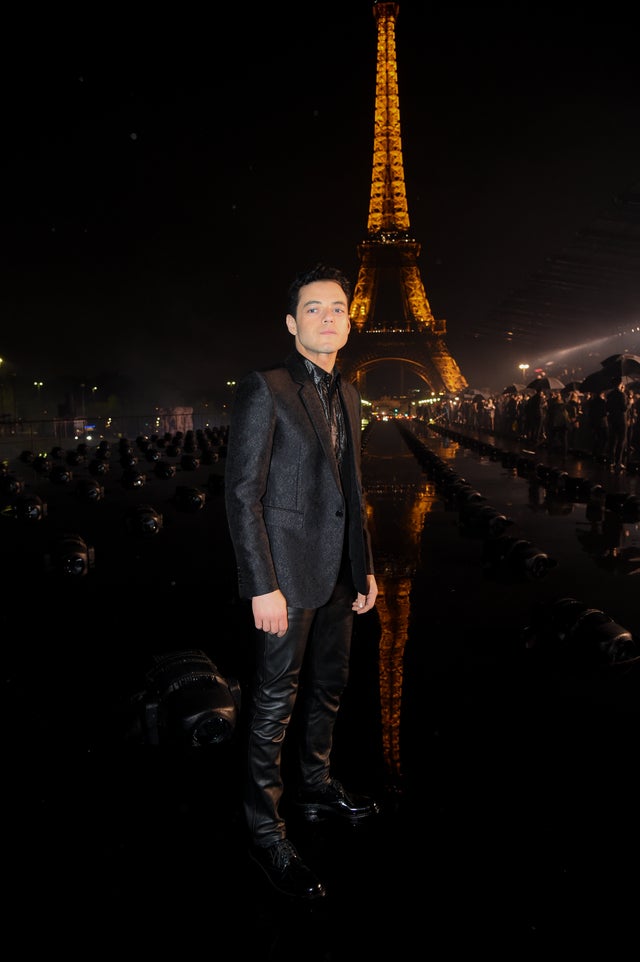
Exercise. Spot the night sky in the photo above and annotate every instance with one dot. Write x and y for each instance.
(165, 177)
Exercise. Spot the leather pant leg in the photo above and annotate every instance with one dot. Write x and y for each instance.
(323, 680)
(275, 688)
(321, 639)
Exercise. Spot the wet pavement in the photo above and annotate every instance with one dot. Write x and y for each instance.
(492, 709)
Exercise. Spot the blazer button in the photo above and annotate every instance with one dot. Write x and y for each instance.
(339, 514)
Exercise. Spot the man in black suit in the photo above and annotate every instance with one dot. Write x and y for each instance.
(618, 424)
(297, 521)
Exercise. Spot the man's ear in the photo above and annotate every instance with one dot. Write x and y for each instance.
(292, 327)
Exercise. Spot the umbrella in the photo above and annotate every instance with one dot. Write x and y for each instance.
(602, 380)
(546, 384)
(622, 364)
(515, 388)
(474, 394)
(572, 386)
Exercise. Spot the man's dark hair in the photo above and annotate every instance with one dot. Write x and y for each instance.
(320, 272)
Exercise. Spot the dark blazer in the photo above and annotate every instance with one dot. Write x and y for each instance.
(286, 504)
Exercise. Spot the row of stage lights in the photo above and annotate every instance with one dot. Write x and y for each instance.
(562, 630)
(183, 699)
(70, 555)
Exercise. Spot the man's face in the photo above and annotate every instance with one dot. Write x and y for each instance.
(321, 325)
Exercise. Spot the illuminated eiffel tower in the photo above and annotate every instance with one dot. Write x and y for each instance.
(391, 318)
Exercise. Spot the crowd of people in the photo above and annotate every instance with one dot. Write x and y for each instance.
(603, 424)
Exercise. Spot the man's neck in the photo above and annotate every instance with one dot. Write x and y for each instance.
(325, 361)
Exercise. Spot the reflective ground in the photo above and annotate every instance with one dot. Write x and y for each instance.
(493, 710)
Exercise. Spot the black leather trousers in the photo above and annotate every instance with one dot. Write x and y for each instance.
(311, 659)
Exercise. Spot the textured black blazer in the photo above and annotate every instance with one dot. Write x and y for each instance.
(286, 504)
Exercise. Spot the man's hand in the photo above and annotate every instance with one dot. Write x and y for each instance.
(364, 603)
(270, 612)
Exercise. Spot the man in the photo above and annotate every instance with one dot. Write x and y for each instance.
(618, 424)
(297, 521)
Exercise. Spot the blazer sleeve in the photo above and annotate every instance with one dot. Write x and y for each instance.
(249, 445)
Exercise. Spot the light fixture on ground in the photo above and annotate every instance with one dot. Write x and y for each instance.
(186, 702)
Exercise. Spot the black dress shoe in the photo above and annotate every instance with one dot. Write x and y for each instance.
(286, 871)
(334, 799)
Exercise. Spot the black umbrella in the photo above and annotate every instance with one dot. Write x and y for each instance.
(546, 384)
(622, 364)
(572, 386)
(515, 388)
(602, 380)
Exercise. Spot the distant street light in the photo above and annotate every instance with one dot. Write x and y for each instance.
(524, 368)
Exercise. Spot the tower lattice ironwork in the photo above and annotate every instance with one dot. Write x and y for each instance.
(390, 313)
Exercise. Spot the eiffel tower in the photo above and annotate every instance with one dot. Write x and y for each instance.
(391, 319)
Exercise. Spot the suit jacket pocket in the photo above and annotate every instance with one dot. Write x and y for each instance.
(282, 517)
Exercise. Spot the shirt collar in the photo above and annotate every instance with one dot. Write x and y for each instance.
(318, 374)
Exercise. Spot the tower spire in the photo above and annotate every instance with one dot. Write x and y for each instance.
(389, 296)
(388, 204)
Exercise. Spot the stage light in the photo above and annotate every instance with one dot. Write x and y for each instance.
(516, 558)
(70, 557)
(190, 499)
(88, 489)
(143, 520)
(10, 486)
(569, 630)
(557, 480)
(483, 520)
(98, 468)
(186, 702)
(28, 507)
(189, 462)
(42, 465)
(60, 474)
(133, 479)
(31, 507)
(209, 456)
(103, 451)
(164, 471)
(467, 495)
